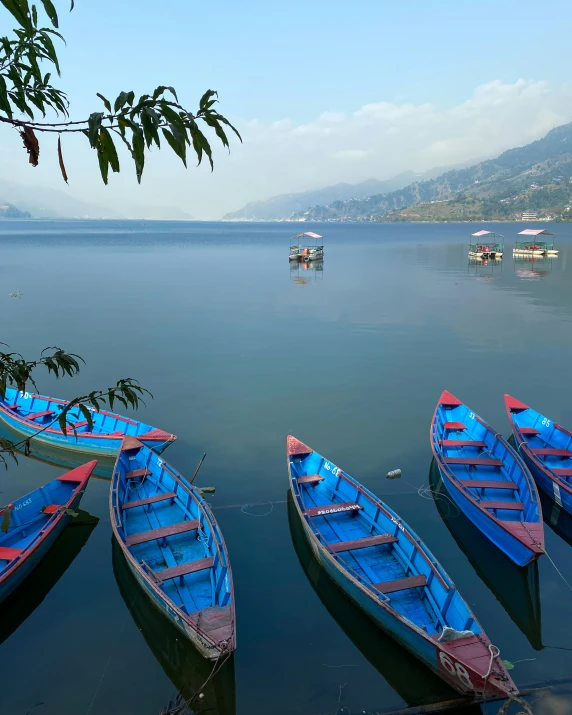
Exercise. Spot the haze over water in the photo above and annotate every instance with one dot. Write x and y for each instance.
(239, 349)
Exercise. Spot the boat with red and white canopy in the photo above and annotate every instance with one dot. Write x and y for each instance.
(486, 244)
(305, 250)
(531, 246)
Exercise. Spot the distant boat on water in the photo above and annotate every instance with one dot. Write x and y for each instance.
(304, 250)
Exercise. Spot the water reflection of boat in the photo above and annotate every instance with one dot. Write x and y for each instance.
(181, 662)
(58, 457)
(533, 267)
(305, 273)
(517, 589)
(27, 597)
(414, 683)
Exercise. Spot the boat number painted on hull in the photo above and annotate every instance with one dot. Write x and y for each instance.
(471, 415)
(545, 422)
(456, 669)
(398, 523)
(331, 468)
(25, 395)
(23, 504)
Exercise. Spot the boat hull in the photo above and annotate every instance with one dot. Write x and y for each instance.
(16, 575)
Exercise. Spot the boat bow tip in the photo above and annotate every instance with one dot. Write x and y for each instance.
(514, 405)
(79, 474)
(294, 446)
(449, 399)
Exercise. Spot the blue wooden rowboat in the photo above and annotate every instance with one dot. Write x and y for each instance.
(488, 481)
(26, 413)
(387, 571)
(546, 448)
(32, 524)
(174, 547)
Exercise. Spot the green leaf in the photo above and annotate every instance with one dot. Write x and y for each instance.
(508, 665)
(180, 148)
(93, 126)
(4, 101)
(105, 101)
(51, 12)
(108, 147)
(205, 103)
(103, 164)
(46, 41)
(18, 10)
(161, 89)
(120, 101)
(138, 151)
(34, 16)
(72, 5)
(130, 98)
(150, 122)
(87, 415)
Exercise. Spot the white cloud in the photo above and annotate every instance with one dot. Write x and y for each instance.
(377, 140)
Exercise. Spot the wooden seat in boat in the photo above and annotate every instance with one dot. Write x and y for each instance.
(77, 425)
(510, 505)
(455, 426)
(332, 509)
(550, 452)
(310, 479)
(185, 569)
(8, 554)
(562, 472)
(180, 528)
(487, 484)
(401, 584)
(37, 415)
(528, 430)
(363, 543)
(462, 443)
(149, 500)
(474, 461)
(134, 473)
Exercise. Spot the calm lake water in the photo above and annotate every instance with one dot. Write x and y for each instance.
(239, 349)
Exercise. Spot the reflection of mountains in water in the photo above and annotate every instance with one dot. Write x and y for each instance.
(517, 589)
(59, 457)
(30, 594)
(180, 660)
(533, 267)
(413, 682)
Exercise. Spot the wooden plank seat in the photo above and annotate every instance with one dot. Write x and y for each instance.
(184, 569)
(548, 452)
(180, 528)
(363, 543)
(333, 509)
(115, 434)
(52, 508)
(149, 500)
(487, 484)
(562, 472)
(474, 461)
(455, 426)
(510, 505)
(462, 443)
(528, 430)
(134, 473)
(401, 584)
(37, 415)
(8, 554)
(13, 407)
(77, 425)
(310, 479)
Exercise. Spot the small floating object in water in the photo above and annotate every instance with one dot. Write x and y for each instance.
(394, 474)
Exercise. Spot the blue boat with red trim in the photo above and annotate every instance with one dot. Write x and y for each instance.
(32, 524)
(174, 548)
(35, 416)
(546, 448)
(488, 480)
(383, 566)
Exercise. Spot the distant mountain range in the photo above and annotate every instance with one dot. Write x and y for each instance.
(43, 202)
(282, 207)
(533, 177)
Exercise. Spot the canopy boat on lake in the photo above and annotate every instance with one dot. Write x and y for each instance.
(303, 250)
(35, 416)
(486, 244)
(174, 547)
(487, 479)
(32, 524)
(531, 246)
(546, 448)
(383, 566)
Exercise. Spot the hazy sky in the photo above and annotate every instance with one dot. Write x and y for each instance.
(323, 91)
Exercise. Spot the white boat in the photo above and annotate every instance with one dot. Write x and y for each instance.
(531, 246)
(486, 244)
(306, 252)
